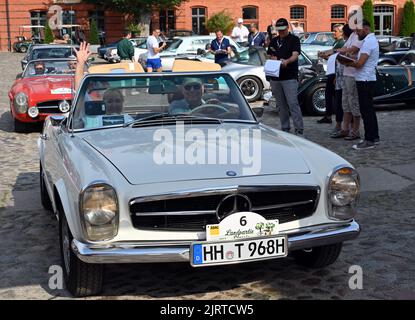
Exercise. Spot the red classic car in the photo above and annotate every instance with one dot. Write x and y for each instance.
(44, 88)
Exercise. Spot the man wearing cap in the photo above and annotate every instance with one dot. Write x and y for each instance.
(192, 90)
(297, 29)
(286, 48)
(240, 33)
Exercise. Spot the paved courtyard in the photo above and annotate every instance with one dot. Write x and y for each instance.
(385, 249)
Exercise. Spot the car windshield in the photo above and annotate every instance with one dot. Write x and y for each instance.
(49, 67)
(172, 46)
(47, 53)
(250, 57)
(304, 37)
(105, 101)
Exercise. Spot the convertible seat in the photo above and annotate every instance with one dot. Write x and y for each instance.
(192, 65)
(123, 67)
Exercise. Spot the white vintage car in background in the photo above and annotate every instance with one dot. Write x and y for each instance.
(101, 174)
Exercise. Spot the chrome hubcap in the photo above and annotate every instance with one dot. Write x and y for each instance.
(319, 100)
(249, 88)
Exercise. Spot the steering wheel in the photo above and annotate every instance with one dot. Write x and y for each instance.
(206, 109)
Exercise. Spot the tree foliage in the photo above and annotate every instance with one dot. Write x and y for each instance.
(367, 8)
(48, 34)
(220, 21)
(93, 33)
(408, 20)
(136, 7)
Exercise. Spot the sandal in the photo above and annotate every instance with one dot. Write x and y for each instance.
(352, 136)
(339, 134)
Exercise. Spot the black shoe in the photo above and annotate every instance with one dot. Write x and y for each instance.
(324, 120)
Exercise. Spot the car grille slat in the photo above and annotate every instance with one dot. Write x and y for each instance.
(193, 211)
(51, 106)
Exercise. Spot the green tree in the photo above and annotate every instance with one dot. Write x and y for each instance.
(367, 8)
(220, 21)
(48, 34)
(93, 33)
(408, 20)
(139, 11)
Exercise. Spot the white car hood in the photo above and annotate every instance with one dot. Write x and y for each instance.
(131, 151)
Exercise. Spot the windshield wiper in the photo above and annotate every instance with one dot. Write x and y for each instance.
(165, 115)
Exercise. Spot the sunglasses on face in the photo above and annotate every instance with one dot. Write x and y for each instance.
(192, 86)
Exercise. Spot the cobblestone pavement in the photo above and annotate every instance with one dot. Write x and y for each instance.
(385, 249)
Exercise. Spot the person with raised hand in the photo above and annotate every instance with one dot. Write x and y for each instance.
(82, 56)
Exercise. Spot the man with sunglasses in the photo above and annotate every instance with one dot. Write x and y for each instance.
(192, 91)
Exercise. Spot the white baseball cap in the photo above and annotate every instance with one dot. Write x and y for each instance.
(240, 20)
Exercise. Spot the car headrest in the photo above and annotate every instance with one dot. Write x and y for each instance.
(94, 108)
(165, 88)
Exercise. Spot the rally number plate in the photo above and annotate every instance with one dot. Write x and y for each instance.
(228, 252)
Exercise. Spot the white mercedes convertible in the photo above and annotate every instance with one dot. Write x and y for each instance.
(176, 167)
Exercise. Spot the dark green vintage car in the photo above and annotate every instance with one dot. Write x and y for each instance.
(395, 84)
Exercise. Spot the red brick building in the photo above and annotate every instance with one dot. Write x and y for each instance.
(314, 15)
(192, 14)
(17, 13)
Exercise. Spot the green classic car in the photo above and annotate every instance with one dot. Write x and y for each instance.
(395, 84)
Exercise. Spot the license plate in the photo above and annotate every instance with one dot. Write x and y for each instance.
(228, 252)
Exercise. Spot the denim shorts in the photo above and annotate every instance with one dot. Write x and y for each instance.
(154, 63)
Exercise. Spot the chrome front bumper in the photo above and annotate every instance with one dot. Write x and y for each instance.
(154, 252)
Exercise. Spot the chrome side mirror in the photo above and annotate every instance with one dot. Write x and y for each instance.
(259, 111)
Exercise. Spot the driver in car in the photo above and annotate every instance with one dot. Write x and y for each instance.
(193, 91)
(39, 68)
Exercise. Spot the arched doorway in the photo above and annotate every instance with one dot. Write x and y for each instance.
(384, 20)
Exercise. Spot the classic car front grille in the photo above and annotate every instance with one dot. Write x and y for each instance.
(51, 106)
(193, 211)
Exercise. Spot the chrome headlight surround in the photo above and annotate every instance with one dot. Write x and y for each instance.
(99, 211)
(343, 190)
(20, 102)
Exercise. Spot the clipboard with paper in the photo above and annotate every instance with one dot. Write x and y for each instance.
(272, 68)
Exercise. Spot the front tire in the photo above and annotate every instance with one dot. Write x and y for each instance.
(20, 127)
(318, 257)
(251, 88)
(316, 100)
(81, 279)
(23, 49)
(44, 196)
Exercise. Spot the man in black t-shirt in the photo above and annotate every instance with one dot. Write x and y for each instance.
(286, 48)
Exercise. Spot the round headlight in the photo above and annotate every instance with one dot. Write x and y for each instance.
(343, 193)
(64, 106)
(99, 212)
(20, 102)
(33, 112)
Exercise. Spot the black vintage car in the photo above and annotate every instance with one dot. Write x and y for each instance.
(395, 84)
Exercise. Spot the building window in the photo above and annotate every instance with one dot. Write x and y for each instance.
(167, 20)
(338, 12)
(99, 18)
(384, 20)
(298, 14)
(199, 20)
(68, 17)
(38, 18)
(250, 15)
